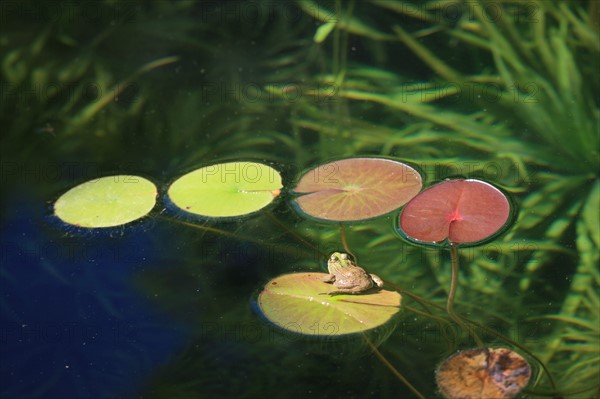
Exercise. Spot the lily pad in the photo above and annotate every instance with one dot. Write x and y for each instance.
(356, 188)
(498, 373)
(460, 211)
(106, 202)
(227, 189)
(298, 303)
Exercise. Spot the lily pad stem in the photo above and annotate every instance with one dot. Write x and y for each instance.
(454, 316)
(391, 367)
(345, 243)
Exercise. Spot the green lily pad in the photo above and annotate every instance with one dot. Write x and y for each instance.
(298, 303)
(356, 189)
(227, 189)
(106, 202)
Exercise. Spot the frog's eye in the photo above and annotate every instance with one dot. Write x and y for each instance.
(333, 257)
(344, 256)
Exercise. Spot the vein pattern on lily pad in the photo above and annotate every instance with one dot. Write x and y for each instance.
(356, 188)
(226, 190)
(297, 303)
(106, 202)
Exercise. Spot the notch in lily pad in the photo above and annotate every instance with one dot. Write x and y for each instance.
(226, 190)
(356, 189)
(107, 201)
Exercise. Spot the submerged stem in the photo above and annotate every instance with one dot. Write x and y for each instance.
(345, 243)
(454, 316)
(391, 367)
(294, 234)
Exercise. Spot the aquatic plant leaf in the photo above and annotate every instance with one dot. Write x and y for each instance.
(352, 25)
(324, 30)
(106, 202)
(591, 214)
(299, 303)
(461, 211)
(96, 106)
(227, 189)
(483, 373)
(356, 188)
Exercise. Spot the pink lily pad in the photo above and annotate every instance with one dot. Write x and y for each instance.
(356, 188)
(299, 303)
(460, 211)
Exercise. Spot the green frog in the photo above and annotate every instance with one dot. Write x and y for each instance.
(347, 276)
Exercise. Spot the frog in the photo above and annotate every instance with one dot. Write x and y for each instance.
(347, 276)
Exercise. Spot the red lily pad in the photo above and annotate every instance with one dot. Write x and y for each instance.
(460, 211)
(299, 303)
(356, 188)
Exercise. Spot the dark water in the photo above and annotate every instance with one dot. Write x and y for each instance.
(166, 307)
(72, 323)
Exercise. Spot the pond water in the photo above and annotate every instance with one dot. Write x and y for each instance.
(168, 306)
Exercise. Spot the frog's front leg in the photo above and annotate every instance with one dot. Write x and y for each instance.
(330, 278)
(377, 280)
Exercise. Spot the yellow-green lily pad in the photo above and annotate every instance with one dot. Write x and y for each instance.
(299, 303)
(106, 202)
(226, 190)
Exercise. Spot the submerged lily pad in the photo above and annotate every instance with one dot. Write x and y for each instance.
(460, 211)
(495, 373)
(356, 188)
(106, 202)
(298, 303)
(227, 189)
